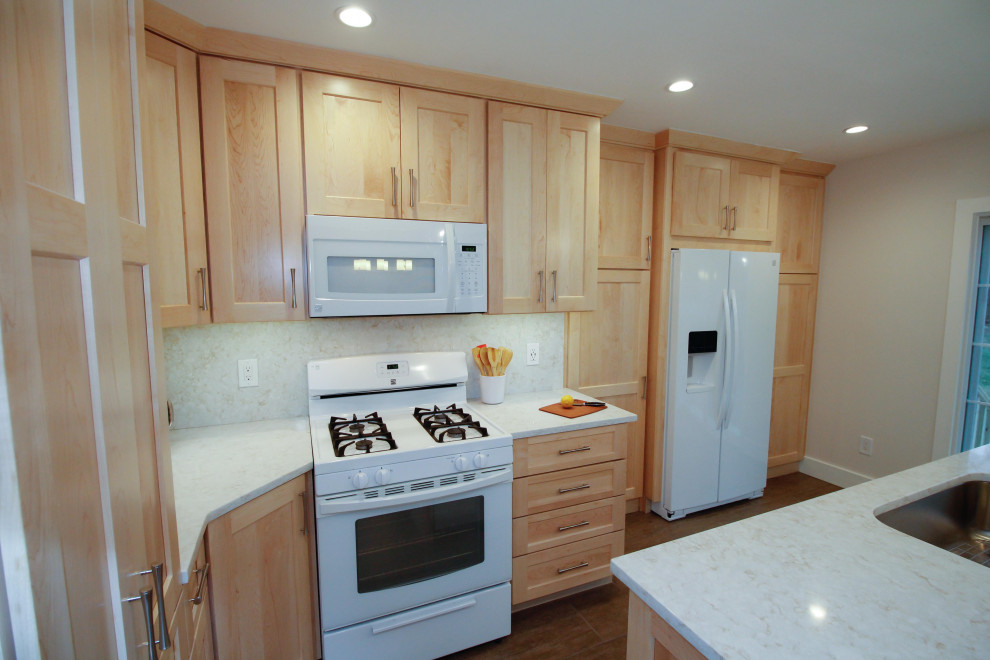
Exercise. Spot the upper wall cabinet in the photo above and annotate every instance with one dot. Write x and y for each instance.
(443, 156)
(358, 165)
(173, 182)
(351, 138)
(251, 148)
(799, 222)
(721, 197)
(626, 207)
(542, 210)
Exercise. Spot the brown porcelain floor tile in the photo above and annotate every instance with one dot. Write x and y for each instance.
(592, 625)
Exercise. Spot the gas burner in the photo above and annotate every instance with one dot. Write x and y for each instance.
(449, 424)
(354, 436)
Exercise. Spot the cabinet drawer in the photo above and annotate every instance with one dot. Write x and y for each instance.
(581, 521)
(549, 571)
(554, 490)
(559, 451)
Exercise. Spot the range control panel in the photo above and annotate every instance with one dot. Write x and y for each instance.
(393, 369)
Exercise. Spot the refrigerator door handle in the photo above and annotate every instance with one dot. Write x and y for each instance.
(723, 399)
(735, 351)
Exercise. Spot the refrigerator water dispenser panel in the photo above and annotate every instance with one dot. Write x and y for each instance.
(702, 341)
(702, 367)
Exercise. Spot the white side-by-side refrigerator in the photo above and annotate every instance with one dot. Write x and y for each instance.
(720, 341)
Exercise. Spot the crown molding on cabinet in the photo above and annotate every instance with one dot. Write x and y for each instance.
(675, 138)
(802, 166)
(239, 45)
(628, 137)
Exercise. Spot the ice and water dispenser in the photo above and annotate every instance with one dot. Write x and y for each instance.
(701, 363)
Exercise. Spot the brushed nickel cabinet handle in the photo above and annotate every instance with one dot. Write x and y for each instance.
(204, 575)
(202, 279)
(540, 274)
(554, 299)
(726, 226)
(147, 607)
(571, 568)
(580, 524)
(571, 451)
(157, 571)
(305, 528)
(567, 490)
(643, 395)
(292, 275)
(735, 212)
(393, 187)
(649, 247)
(412, 190)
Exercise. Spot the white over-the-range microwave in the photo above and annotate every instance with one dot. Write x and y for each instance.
(380, 267)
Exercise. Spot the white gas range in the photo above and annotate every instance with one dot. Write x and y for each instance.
(414, 507)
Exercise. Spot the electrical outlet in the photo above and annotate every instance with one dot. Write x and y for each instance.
(865, 445)
(247, 373)
(532, 354)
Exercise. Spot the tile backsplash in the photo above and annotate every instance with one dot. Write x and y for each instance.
(201, 361)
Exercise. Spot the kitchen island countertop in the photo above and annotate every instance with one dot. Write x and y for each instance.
(823, 579)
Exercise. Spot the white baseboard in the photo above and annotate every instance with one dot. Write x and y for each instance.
(833, 474)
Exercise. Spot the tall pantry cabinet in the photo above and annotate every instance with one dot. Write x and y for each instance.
(85, 471)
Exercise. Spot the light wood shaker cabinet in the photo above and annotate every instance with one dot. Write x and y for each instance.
(721, 197)
(606, 357)
(567, 508)
(253, 162)
(443, 156)
(543, 208)
(799, 222)
(351, 141)
(173, 182)
(262, 580)
(796, 300)
(626, 207)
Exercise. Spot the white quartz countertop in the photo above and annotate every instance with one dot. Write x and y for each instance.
(824, 579)
(520, 414)
(215, 469)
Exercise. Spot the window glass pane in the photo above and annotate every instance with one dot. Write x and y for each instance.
(376, 275)
(976, 430)
(985, 256)
(981, 326)
(415, 545)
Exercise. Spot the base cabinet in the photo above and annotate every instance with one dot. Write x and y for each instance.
(262, 580)
(568, 510)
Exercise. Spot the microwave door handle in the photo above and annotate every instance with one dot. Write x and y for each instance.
(328, 507)
(452, 271)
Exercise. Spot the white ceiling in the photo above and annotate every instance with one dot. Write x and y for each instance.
(782, 73)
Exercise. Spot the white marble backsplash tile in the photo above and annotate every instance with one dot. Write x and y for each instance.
(201, 361)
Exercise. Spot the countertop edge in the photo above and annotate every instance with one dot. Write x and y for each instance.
(590, 424)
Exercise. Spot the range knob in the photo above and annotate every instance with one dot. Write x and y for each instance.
(360, 480)
(462, 463)
(481, 460)
(383, 476)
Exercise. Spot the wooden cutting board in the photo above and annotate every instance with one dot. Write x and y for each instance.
(571, 413)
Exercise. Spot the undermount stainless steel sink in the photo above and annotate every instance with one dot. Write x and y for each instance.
(956, 519)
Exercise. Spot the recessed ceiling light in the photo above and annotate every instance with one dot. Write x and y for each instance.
(680, 86)
(354, 17)
(857, 129)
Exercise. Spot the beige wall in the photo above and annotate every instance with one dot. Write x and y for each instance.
(886, 249)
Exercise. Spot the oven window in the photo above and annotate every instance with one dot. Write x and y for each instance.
(415, 545)
(381, 275)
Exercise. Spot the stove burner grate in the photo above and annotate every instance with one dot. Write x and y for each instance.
(449, 424)
(360, 436)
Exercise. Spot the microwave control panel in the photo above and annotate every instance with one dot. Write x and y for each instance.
(471, 270)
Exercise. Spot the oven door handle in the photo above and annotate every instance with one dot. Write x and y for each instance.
(327, 506)
(405, 619)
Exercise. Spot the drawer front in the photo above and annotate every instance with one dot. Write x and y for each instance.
(582, 521)
(549, 571)
(554, 490)
(560, 451)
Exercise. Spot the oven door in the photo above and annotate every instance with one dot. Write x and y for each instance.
(378, 557)
(373, 266)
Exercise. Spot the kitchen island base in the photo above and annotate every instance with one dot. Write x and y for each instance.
(650, 637)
